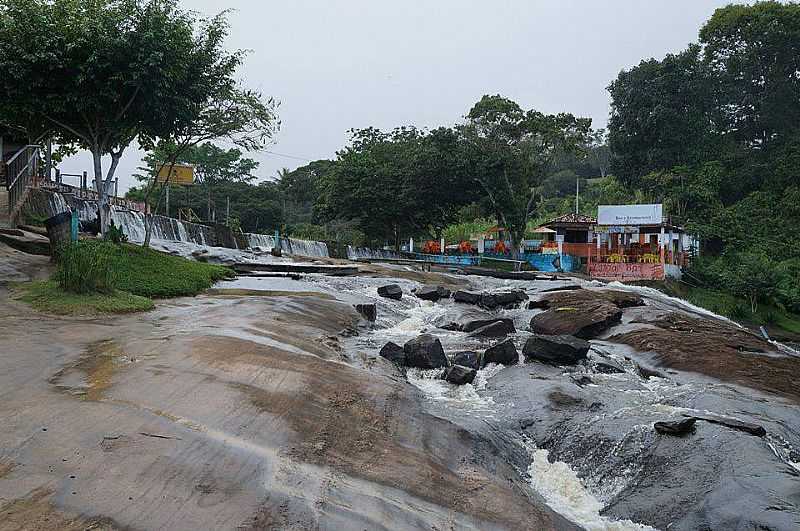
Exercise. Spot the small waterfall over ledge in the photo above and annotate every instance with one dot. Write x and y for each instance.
(132, 223)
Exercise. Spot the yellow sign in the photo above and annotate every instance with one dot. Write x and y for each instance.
(181, 174)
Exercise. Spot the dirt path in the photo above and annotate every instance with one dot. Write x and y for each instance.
(231, 413)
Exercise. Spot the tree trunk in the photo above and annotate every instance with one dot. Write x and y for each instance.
(102, 212)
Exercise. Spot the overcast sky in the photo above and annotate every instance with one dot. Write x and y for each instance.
(342, 64)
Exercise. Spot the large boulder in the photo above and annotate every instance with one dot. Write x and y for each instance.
(432, 293)
(675, 427)
(586, 321)
(475, 324)
(504, 352)
(425, 352)
(394, 353)
(459, 375)
(556, 350)
(367, 311)
(457, 316)
(467, 297)
(505, 299)
(392, 291)
(467, 358)
(498, 328)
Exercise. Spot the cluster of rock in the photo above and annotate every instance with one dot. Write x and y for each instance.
(426, 352)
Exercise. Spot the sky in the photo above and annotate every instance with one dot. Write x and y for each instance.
(340, 64)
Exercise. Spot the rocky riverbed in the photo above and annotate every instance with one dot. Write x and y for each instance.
(268, 405)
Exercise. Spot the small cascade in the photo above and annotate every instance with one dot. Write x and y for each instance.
(364, 253)
(290, 246)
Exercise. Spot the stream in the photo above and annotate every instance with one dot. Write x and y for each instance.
(588, 447)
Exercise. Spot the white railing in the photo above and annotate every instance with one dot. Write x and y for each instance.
(21, 170)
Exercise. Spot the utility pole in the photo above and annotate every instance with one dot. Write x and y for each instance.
(577, 194)
(167, 200)
(228, 209)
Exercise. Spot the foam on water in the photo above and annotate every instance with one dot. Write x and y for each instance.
(462, 397)
(655, 294)
(565, 493)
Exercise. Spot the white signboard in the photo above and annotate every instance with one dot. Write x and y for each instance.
(630, 214)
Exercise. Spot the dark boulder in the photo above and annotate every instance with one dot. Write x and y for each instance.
(432, 293)
(539, 305)
(568, 287)
(499, 328)
(505, 299)
(392, 291)
(467, 297)
(459, 375)
(425, 352)
(556, 350)
(504, 353)
(457, 316)
(367, 311)
(467, 359)
(675, 427)
(475, 324)
(394, 353)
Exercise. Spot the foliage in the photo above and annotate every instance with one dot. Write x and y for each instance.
(85, 268)
(47, 296)
(714, 133)
(510, 152)
(115, 234)
(114, 71)
(463, 231)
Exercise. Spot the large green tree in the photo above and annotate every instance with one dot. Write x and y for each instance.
(512, 150)
(101, 73)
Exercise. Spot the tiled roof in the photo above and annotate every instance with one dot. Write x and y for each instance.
(573, 218)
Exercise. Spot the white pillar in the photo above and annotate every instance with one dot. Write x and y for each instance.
(411, 245)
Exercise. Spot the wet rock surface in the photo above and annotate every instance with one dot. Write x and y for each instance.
(367, 311)
(391, 291)
(558, 350)
(432, 293)
(504, 353)
(394, 353)
(425, 352)
(467, 359)
(675, 427)
(458, 375)
(497, 328)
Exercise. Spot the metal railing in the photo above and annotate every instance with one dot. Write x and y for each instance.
(21, 171)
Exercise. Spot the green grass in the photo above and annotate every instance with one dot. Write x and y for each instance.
(737, 309)
(157, 275)
(47, 296)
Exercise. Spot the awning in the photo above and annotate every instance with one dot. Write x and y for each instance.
(543, 230)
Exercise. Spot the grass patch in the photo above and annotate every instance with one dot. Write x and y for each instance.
(157, 275)
(47, 296)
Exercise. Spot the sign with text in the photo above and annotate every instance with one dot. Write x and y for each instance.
(630, 214)
(181, 174)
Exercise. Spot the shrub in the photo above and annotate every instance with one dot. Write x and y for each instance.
(114, 234)
(86, 268)
(738, 311)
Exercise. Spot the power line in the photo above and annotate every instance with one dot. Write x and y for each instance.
(288, 156)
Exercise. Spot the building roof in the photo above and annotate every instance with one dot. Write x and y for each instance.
(573, 218)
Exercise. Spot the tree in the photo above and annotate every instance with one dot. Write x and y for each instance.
(511, 151)
(660, 115)
(752, 276)
(598, 151)
(114, 71)
(753, 54)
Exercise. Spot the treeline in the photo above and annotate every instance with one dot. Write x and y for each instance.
(714, 133)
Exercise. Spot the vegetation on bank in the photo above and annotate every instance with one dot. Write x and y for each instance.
(48, 296)
(738, 309)
(95, 277)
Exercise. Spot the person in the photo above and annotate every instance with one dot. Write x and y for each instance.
(557, 263)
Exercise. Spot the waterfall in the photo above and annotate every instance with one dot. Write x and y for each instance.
(364, 253)
(132, 224)
(290, 246)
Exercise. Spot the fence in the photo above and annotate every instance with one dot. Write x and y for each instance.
(21, 170)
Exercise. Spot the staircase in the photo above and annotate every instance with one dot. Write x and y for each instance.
(5, 221)
(20, 172)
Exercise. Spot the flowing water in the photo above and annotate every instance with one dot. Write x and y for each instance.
(600, 463)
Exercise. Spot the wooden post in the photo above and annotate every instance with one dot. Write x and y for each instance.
(116, 187)
(84, 182)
